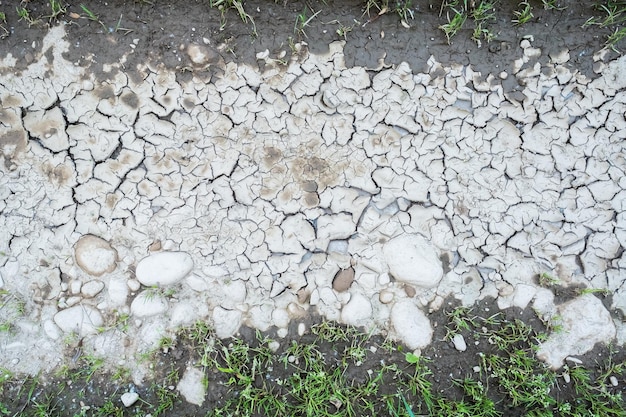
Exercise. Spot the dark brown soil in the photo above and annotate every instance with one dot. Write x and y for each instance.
(162, 28)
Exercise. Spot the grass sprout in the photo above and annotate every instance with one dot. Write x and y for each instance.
(92, 16)
(455, 23)
(523, 14)
(56, 9)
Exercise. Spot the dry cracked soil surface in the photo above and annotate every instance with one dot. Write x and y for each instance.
(164, 170)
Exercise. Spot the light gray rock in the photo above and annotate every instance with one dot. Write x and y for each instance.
(585, 322)
(459, 342)
(357, 311)
(82, 320)
(411, 325)
(129, 398)
(92, 288)
(164, 268)
(95, 255)
(148, 303)
(413, 260)
(192, 387)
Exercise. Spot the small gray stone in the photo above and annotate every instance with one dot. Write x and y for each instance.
(385, 296)
(343, 279)
(129, 398)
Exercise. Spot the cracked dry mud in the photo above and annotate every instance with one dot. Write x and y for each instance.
(257, 194)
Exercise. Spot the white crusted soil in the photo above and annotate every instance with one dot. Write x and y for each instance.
(260, 196)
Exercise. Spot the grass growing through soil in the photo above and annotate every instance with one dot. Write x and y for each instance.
(483, 16)
(334, 370)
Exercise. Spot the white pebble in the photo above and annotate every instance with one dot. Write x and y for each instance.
(129, 398)
(459, 342)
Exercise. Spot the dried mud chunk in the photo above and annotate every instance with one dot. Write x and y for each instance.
(12, 144)
(201, 55)
(49, 127)
(585, 322)
(95, 255)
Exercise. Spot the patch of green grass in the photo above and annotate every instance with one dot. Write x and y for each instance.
(92, 16)
(402, 8)
(459, 321)
(613, 16)
(546, 280)
(601, 291)
(482, 14)
(4, 32)
(455, 23)
(24, 14)
(56, 9)
(523, 14)
(552, 5)
(330, 372)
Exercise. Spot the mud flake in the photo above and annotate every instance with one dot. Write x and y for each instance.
(49, 127)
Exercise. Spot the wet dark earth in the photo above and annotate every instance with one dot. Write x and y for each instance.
(140, 31)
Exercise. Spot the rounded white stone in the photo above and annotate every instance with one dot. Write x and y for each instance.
(129, 398)
(411, 325)
(51, 330)
(75, 286)
(95, 255)
(148, 303)
(133, 284)
(83, 320)
(92, 288)
(192, 386)
(358, 310)
(459, 342)
(164, 268)
(413, 260)
(385, 296)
